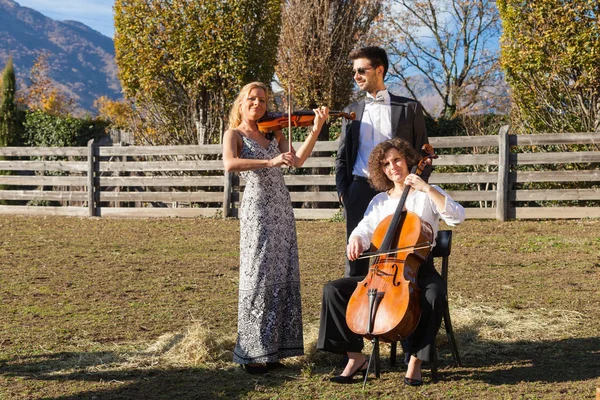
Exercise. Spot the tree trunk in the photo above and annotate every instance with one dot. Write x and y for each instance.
(199, 115)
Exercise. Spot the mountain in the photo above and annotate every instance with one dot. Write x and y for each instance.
(81, 61)
(427, 95)
(493, 98)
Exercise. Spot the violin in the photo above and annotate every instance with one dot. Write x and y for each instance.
(386, 304)
(276, 121)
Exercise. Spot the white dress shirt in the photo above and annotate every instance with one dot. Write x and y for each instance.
(375, 127)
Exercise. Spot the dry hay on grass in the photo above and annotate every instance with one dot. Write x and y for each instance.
(490, 323)
(482, 329)
(197, 346)
(477, 328)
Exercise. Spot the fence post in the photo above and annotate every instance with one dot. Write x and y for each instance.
(90, 179)
(502, 186)
(227, 186)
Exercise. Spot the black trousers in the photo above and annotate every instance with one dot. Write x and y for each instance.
(356, 201)
(336, 337)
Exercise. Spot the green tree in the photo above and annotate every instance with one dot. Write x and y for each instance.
(42, 129)
(8, 112)
(8, 107)
(551, 57)
(183, 61)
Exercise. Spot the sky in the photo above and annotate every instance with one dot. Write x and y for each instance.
(97, 14)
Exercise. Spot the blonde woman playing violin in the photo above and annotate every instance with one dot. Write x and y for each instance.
(269, 308)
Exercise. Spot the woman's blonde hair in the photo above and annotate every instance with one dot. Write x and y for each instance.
(377, 178)
(235, 114)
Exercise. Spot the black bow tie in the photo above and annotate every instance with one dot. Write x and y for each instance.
(378, 100)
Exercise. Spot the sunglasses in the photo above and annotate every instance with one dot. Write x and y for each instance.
(360, 71)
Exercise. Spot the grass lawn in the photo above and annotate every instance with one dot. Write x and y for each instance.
(100, 308)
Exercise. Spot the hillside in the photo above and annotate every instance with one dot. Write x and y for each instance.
(81, 60)
(427, 95)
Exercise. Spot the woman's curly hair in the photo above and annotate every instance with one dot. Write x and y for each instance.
(377, 178)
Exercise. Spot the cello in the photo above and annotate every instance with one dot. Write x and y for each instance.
(386, 304)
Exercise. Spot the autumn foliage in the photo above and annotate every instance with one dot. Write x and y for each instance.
(551, 57)
(182, 62)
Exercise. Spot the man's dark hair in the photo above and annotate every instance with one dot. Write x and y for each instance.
(376, 56)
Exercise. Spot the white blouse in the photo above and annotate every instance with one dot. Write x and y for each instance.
(420, 203)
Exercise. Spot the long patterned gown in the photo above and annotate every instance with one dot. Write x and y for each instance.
(269, 308)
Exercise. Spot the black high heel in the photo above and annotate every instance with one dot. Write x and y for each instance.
(274, 365)
(413, 382)
(258, 369)
(348, 378)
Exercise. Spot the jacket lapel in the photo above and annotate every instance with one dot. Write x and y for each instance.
(398, 108)
(355, 130)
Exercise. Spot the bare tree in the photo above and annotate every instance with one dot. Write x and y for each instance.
(448, 42)
(316, 39)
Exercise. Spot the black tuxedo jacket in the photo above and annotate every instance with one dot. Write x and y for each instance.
(408, 123)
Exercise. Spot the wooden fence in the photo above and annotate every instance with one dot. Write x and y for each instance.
(189, 181)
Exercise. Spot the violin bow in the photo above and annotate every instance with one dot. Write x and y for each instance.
(290, 114)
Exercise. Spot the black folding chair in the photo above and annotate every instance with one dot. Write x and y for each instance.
(443, 247)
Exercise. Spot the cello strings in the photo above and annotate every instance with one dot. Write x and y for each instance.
(396, 260)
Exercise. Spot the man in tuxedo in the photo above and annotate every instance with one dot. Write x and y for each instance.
(379, 116)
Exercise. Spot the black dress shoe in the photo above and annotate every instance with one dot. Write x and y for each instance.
(274, 365)
(413, 382)
(258, 369)
(349, 378)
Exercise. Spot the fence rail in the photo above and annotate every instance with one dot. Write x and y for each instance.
(189, 181)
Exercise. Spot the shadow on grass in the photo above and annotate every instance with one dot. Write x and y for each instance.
(135, 382)
(502, 363)
(567, 360)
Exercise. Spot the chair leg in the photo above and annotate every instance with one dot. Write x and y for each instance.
(393, 350)
(450, 333)
(377, 357)
(433, 361)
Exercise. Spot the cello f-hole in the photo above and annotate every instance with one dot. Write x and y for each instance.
(395, 281)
